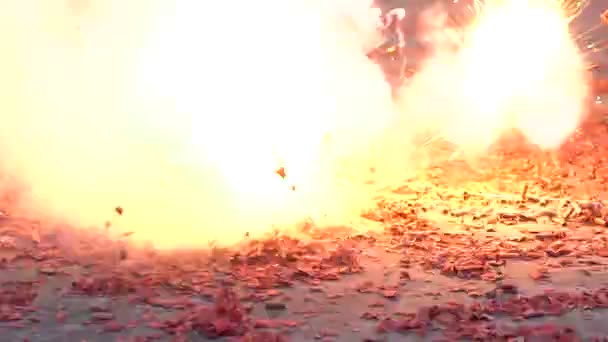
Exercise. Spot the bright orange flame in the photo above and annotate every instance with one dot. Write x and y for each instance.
(516, 67)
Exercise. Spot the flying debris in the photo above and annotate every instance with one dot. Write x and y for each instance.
(392, 29)
(281, 172)
(392, 26)
(390, 53)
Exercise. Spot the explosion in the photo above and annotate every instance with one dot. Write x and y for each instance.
(183, 112)
(515, 66)
(180, 112)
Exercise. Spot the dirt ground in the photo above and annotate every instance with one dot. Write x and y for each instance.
(513, 247)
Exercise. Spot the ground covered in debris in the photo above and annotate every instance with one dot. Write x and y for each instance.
(512, 247)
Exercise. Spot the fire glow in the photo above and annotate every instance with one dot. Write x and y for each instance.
(514, 67)
(182, 111)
